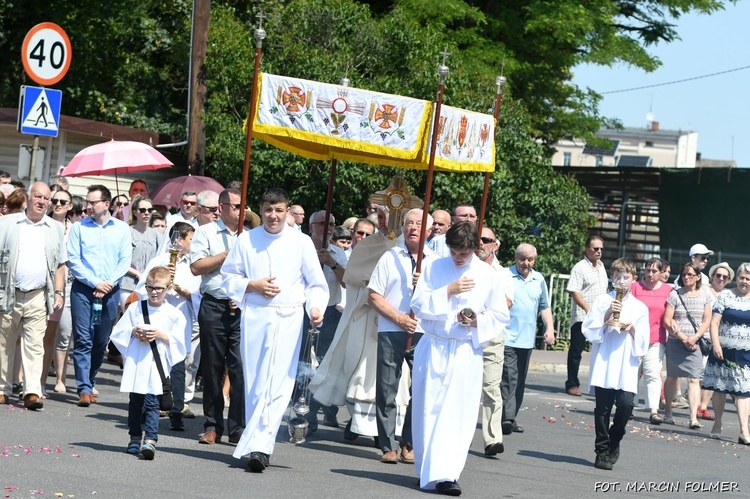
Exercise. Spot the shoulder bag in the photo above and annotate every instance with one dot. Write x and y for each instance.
(703, 343)
(165, 399)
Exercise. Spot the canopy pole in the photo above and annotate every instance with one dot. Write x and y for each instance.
(500, 81)
(259, 34)
(329, 203)
(442, 72)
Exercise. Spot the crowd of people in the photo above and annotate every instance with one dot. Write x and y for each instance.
(403, 333)
(696, 323)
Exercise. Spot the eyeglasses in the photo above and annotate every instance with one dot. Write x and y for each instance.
(158, 289)
(722, 277)
(234, 206)
(688, 275)
(597, 249)
(212, 209)
(363, 233)
(188, 203)
(120, 203)
(703, 258)
(61, 202)
(487, 240)
(146, 210)
(94, 201)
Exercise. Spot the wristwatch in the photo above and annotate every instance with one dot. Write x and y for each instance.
(59, 292)
(335, 266)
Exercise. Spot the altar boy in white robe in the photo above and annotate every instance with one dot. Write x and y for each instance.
(140, 376)
(461, 306)
(615, 349)
(273, 273)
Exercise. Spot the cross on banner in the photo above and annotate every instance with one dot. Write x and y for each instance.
(397, 200)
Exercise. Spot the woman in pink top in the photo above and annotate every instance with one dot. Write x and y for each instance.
(653, 293)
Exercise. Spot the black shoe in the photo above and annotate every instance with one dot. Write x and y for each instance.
(330, 421)
(348, 433)
(494, 449)
(614, 454)
(199, 384)
(507, 427)
(52, 373)
(258, 462)
(176, 423)
(235, 436)
(188, 414)
(448, 488)
(602, 461)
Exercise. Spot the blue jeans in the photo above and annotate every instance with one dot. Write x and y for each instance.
(140, 403)
(90, 341)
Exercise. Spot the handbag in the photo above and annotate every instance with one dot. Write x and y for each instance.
(165, 399)
(703, 343)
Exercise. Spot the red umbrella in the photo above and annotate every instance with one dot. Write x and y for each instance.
(170, 191)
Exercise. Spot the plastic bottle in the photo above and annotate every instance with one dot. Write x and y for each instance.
(96, 311)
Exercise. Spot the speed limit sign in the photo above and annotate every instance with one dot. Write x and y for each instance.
(46, 53)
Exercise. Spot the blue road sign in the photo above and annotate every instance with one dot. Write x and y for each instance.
(39, 111)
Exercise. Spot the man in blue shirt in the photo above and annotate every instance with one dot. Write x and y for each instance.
(99, 254)
(530, 299)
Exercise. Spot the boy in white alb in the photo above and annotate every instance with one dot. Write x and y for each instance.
(140, 376)
(615, 349)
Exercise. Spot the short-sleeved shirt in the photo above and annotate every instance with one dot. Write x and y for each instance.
(209, 240)
(392, 280)
(656, 302)
(694, 304)
(590, 282)
(530, 297)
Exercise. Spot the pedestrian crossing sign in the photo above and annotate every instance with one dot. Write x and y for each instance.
(39, 111)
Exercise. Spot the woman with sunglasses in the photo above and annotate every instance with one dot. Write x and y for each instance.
(686, 319)
(59, 326)
(145, 242)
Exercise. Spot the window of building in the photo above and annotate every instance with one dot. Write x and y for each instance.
(649, 143)
(566, 159)
(599, 160)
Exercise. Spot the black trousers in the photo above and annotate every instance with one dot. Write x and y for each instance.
(515, 370)
(575, 352)
(608, 437)
(391, 355)
(220, 346)
(327, 331)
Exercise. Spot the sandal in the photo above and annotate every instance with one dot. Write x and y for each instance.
(668, 420)
(134, 447)
(695, 425)
(655, 419)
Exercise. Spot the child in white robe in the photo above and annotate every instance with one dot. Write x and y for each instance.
(140, 376)
(613, 375)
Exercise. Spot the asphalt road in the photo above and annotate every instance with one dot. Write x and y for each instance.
(67, 451)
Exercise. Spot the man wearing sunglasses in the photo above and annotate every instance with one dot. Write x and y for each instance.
(362, 228)
(99, 254)
(188, 208)
(588, 279)
(699, 255)
(219, 322)
(32, 276)
(208, 207)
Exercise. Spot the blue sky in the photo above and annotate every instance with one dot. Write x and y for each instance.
(716, 107)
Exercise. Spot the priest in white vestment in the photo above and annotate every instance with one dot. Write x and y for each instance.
(274, 275)
(461, 306)
(348, 372)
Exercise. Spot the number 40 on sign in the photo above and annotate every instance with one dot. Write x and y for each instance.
(46, 53)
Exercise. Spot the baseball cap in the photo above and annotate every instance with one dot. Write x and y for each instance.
(700, 249)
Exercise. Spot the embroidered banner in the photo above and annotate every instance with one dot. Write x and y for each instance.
(466, 141)
(324, 121)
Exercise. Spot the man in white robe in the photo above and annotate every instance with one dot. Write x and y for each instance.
(461, 306)
(348, 372)
(274, 275)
